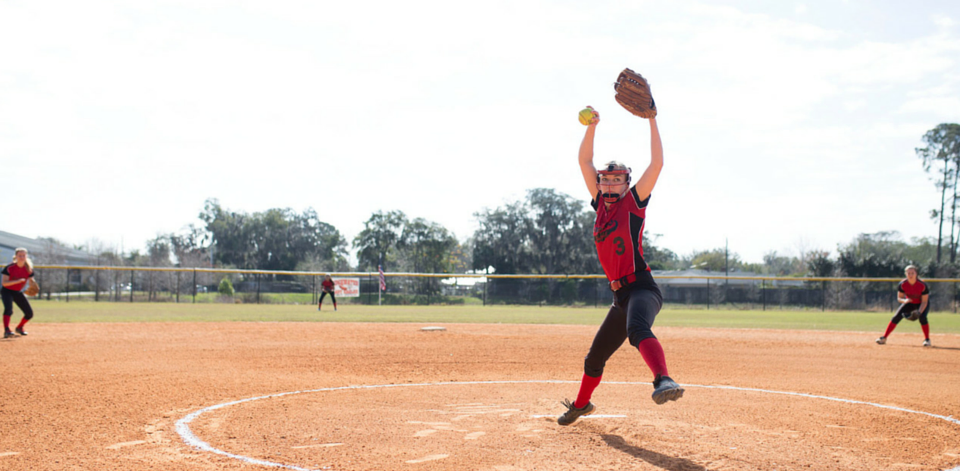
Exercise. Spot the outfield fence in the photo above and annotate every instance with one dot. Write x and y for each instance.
(173, 284)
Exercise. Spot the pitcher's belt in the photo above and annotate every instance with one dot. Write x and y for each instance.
(615, 285)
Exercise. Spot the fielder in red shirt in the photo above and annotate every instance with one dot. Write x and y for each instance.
(618, 235)
(15, 278)
(913, 295)
(327, 288)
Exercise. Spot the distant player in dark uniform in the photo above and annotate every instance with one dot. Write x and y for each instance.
(914, 295)
(326, 288)
(618, 235)
(15, 277)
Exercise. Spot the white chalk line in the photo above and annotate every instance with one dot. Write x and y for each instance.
(183, 427)
(591, 416)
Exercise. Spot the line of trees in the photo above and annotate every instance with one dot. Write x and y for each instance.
(546, 232)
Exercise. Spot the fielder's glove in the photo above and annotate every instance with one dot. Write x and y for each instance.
(633, 93)
(912, 315)
(31, 288)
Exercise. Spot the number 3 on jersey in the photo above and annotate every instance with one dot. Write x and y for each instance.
(619, 247)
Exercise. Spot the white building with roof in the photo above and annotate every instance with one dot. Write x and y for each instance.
(42, 252)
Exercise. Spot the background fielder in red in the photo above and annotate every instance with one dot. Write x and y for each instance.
(15, 277)
(913, 295)
(327, 287)
(618, 235)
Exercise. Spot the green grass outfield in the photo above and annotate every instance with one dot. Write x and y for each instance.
(58, 311)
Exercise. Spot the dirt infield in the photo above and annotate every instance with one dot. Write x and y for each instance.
(109, 396)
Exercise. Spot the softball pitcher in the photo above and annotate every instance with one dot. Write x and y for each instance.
(618, 235)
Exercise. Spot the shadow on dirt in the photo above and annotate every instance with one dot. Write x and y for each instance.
(943, 348)
(659, 460)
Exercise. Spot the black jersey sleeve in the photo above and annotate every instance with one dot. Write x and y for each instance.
(636, 197)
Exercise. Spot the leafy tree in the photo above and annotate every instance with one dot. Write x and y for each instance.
(276, 239)
(819, 264)
(553, 231)
(779, 265)
(460, 257)
(425, 247)
(943, 150)
(501, 240)
(377, 242)
(190, 246)
(881, 254)
(549, 232)
(714, 260)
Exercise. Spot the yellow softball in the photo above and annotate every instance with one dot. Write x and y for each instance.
(586, 116)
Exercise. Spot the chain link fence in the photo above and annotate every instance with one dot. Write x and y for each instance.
(193, 285)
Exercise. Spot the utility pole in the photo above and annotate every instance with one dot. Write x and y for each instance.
(726, 257)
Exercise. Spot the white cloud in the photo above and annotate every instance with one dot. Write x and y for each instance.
(944, 21)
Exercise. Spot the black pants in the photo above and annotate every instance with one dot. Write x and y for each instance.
(906, 309)
(9, 297)
(331, 297)
(631, 316)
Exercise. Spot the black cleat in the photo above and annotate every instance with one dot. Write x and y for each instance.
(572, 413)
(8, 335)
(666, 389)
(20, 331)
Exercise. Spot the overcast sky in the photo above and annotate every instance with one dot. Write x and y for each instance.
(784, 124)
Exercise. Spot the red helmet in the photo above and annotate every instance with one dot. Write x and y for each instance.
(613, 168)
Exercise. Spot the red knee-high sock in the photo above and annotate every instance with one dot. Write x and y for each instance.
(6, 323)
(652, 353)
(890, 329)
(926, 331)
(22, 323)
(587, 385)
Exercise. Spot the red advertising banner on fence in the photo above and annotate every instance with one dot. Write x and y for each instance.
(346, 287)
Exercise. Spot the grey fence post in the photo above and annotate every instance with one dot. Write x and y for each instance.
(763, 294)
(486, 281)
(596, 294)
(194, 285)
(131, 284)
(68, 285)
(258, 288)
(178, 287)
(708, 294)
(823, 295)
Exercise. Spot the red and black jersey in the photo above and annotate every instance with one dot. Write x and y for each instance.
(327, 285)
(915, 291)
(618, 235)
(14, 272)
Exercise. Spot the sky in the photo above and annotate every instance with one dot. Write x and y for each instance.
(786, 126)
